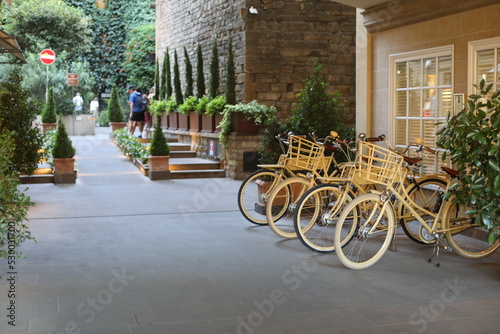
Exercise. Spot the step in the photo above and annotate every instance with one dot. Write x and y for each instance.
(182, 154)
(195, 164)
(179, 147)
(194, 174)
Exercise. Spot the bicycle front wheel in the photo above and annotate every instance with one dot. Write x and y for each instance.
(364, 231)
(280, 209)
(316, 216)
(464, 235)
(254, 193)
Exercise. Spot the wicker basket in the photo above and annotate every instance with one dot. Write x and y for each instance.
(304, 154)
(377, 165)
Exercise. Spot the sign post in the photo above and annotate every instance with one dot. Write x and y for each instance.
(47, 57)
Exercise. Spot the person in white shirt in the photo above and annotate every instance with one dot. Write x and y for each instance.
(78, 102)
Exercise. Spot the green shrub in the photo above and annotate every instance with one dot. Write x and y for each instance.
(189, 105)
(202, 105)
(216, 105)
(49, 108)
(159, 145)
(63, 148)
(115, 112)
(171, 106)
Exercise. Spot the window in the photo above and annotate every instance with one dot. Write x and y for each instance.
(484, 57)
(421, 97)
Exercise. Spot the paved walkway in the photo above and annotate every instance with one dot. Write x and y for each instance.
(120, 254)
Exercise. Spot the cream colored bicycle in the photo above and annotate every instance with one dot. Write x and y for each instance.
(366, 226)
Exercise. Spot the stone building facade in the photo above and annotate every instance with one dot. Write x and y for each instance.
(274, 50)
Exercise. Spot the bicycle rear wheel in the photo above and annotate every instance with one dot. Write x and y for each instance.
(254, 193)
(364, 231)
(427, 194)
(464, 235)
(280, 209)
(317, 214)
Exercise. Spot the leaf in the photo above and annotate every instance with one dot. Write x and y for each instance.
(493, 165)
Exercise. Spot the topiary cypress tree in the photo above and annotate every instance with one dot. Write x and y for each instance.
(63, 148)
(177, 81)
(165, 77)
(114, 109)
(189, 75)
(214, 72)
(49, 109)
(157, 81)
(159, 145)
(200, 76)
(230, 76)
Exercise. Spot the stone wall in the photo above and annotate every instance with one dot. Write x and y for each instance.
(274, 50)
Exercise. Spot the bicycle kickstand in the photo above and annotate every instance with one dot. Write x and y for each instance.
(436, 251)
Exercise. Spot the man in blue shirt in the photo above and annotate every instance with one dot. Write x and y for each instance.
(136, 115)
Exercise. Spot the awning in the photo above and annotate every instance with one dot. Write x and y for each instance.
(8, 44)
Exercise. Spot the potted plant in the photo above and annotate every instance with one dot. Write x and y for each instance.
(245, 118)
(215, 108)
(63, 153)
(173, 119)
(207, 121)
(159, 154)
(115, 112)
(49, 117)
(189, 108)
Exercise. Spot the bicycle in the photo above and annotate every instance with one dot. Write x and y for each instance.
(319, 208)
(366, 226)
(283, 200)
(255, 189)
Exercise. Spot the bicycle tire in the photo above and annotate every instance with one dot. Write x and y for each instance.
(427, 194)
(254, 192)
(280, 208)
(316, 216)
(364, 231)
(466, 237)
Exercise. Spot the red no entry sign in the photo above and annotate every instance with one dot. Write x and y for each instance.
(47, 56)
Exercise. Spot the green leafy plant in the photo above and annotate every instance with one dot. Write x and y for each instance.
(115, 112)
(200, 76)
(188, 71)
(189, 105)
(159, 145)
(202, 105)
(214, 72)
(130, 146)
(63, 147)
(17, 119)
(471, 139)
(216, 105)
(157, 81)
(230, 76)
(259, 113)
(14, 205)
(157, 107)
(171, 106)
(49, 109)
(177, 81)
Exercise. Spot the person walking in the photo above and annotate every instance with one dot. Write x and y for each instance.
(136, 115)
(94, 108)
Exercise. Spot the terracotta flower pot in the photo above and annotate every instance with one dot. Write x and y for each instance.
(64, 165)
(116, 125)
(48, 126)
(159, 163)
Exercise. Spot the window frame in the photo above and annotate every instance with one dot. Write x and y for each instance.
(473, 49)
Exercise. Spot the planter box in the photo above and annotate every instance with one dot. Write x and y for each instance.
(116, 125)
(217, 120)
(64, 171)
(183, 122)
(48, 126)
(79, 125)
(207, 123)
(165, 121)
(173, 121)
(241, 126)
(195, 122)
(159, 167)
